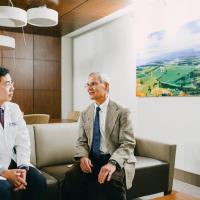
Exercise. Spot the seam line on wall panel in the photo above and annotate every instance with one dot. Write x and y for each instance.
(33, 73)
(72, 73)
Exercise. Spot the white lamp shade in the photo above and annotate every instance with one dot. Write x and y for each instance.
(42, 17)
(6, 42)
(12, 17)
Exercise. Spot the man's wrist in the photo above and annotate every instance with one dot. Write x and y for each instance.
(6, 174)
(113, 162)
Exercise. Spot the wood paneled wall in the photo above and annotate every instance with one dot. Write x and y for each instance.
(36, 71)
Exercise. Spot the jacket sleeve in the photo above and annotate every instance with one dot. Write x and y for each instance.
(82, 148)
(125, 151)
(22, 142)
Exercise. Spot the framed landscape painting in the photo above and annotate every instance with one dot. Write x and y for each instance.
(168, 64)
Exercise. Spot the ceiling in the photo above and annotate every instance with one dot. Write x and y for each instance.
(73, 14)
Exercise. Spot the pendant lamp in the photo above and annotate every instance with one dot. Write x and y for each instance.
(42, 17)
(7, 43)
(12, 16)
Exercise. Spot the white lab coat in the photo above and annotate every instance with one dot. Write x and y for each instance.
(15, 134)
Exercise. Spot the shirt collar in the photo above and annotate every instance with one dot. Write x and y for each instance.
(2, 107)
(5, 106)
(104, 105)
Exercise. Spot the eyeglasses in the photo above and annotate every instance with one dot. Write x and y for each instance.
(92, 84)
(9, 83)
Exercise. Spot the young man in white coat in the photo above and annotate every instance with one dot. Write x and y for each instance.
(16, 172)
(105, 148)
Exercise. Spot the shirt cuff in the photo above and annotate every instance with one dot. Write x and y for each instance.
(26, 167)
(2, 169)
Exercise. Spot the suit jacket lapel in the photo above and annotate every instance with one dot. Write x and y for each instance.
(112, 114)
(89, 123)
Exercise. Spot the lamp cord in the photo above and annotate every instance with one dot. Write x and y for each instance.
(14, 57)
(24, 36)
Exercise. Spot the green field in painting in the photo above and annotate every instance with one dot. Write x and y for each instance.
(178, 77)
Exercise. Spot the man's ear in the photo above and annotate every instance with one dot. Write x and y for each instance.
(107, 86)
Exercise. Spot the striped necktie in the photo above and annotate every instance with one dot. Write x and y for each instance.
(96, 135)
(2, 116)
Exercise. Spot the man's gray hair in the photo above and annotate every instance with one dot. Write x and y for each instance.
(103, 78)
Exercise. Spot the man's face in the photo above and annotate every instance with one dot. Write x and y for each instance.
(6, 88)
(97, 90)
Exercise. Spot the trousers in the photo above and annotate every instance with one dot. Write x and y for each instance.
(79, 185)
(35, 190)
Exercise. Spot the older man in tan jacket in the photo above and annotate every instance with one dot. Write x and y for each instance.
(105, 147)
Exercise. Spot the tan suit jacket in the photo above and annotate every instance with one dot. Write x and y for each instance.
(119, 136)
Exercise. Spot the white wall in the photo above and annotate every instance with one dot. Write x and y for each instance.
(106, 49)
(66, 76)
(110, 49)
(173, 119)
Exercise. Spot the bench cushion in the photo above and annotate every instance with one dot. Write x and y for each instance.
(57, 171)
(151, 176)
(52, 187)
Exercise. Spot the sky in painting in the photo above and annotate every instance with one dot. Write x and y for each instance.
(159, 34)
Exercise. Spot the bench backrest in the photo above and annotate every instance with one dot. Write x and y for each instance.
(53, 143)
(32, 139)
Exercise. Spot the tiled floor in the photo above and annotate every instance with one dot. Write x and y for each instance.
(180, 187)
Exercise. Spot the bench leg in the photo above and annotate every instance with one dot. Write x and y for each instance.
(167, 192)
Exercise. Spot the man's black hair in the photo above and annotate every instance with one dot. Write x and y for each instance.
(3, 71)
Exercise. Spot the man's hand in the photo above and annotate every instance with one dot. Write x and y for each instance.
(17, 177)
(23, 176)
(86, 165)
(106, 172)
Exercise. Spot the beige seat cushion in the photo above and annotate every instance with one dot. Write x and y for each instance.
(50, 179)
(58, 171)
(145, 162)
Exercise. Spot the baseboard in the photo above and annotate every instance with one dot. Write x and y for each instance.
(187, 177)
